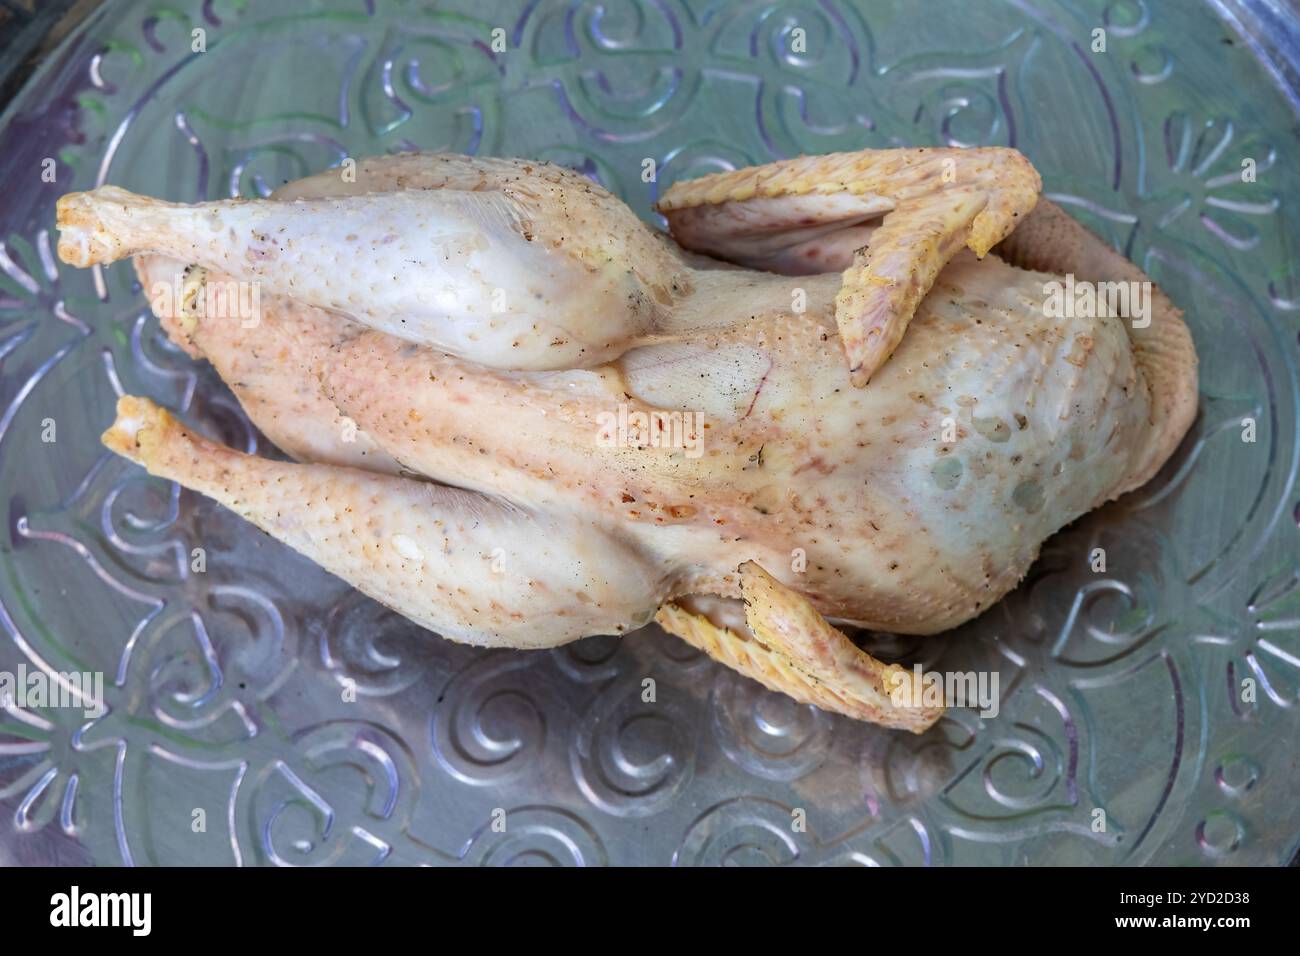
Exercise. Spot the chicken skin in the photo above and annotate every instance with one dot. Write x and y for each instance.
(521, 416)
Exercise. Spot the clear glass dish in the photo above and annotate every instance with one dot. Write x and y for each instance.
(1122, 691)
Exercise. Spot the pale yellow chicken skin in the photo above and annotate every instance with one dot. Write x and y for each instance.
(551, 322)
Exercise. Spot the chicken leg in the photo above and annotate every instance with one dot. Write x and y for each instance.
(511, 274)
(273, 367)
(472, 568)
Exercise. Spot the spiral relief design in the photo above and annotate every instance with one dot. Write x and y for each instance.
(632, 757)
(536, 836)
(313, 726)
(768, 734)
(374, 650)
(312, 813)
(487, 727)
(741, 832)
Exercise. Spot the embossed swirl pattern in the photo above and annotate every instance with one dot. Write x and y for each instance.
(305, 725)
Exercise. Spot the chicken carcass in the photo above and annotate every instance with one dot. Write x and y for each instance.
(521, 416)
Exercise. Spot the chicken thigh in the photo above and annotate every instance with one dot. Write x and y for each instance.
(521, 416)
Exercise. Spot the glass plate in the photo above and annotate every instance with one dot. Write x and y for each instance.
(1149, 713)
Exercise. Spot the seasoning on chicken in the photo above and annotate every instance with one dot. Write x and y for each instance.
(521, 416)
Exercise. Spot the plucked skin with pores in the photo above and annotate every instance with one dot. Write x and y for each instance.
(480, 323)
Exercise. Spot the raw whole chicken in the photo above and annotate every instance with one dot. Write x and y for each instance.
(520, 416)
